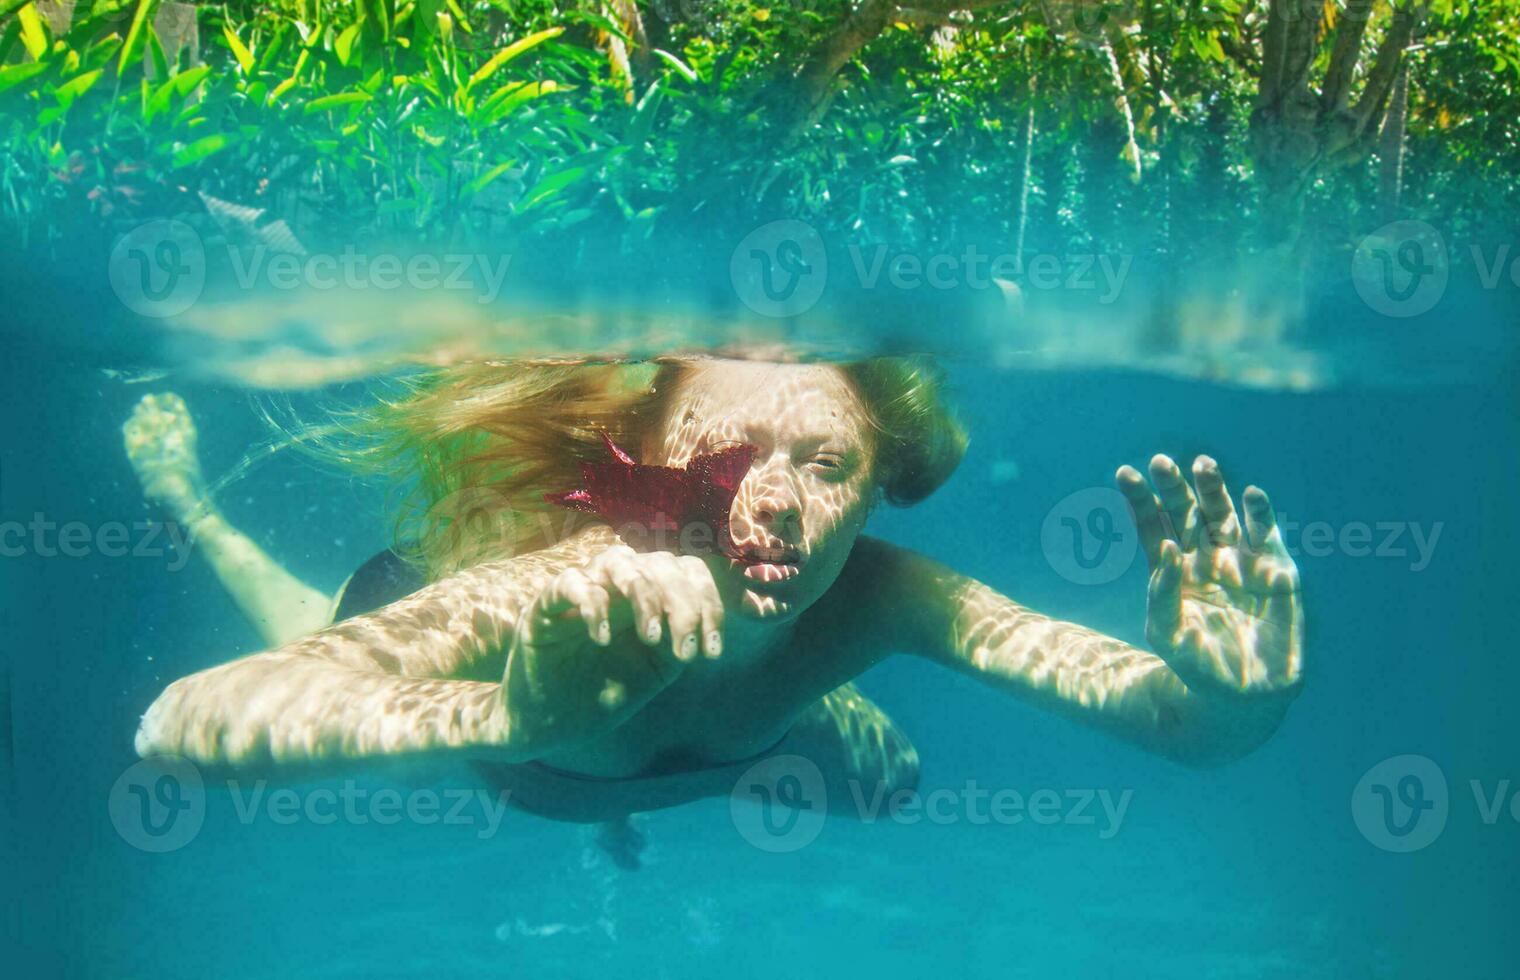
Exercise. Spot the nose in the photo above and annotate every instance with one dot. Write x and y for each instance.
(777, 515)
(778, 511)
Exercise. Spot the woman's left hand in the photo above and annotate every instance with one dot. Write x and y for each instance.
(1225, 610)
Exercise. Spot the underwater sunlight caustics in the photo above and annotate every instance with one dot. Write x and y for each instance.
(585, 488)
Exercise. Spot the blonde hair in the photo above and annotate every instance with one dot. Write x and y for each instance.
(475, 447)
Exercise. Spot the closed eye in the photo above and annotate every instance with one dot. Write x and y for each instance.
(833, 465)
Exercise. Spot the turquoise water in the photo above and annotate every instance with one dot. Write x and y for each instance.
(1259, 869)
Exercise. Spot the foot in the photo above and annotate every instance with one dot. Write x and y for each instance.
(621, 841)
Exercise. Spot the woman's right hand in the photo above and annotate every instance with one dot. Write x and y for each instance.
(604, 638)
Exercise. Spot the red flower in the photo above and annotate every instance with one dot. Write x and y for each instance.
(652, 507)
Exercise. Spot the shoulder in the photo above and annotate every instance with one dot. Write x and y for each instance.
(886, 595)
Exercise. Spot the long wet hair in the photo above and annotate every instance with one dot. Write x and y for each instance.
(476, 446)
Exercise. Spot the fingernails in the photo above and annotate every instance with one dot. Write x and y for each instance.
(652, 630)
(604, 632)
(714, 643)
(688, 647)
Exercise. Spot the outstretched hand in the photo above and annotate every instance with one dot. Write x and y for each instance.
(602, 639)
(1225, 608)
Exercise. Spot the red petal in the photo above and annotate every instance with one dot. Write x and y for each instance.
(637, 500)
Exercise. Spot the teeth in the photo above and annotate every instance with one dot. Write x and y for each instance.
(769, 571)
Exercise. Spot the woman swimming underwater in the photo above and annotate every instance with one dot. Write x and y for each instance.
(594, 680)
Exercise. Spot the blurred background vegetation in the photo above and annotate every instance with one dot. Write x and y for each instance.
(1248, 143)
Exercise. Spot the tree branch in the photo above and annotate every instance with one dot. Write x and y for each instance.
(861, 26)
(1302, 45)
(1385, 67)
(1274, 46)
(1348, 50)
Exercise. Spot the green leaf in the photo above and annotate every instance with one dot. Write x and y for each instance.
(98, 55)
(156, 53)
(337, 101)
(13, 75)
(459, 17)
(200, 150)
(344, 45)
(239, 50)
(509, 97)
(548, 187)
(601, 22)
(187, 81)
(289, 83)
(33, 34)
(678, 65)
(509, 52)
(645, 113)
(484, 180)
(275, 46)
(76, 86)
(135, 34)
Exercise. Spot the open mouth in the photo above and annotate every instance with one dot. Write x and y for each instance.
(769, 564)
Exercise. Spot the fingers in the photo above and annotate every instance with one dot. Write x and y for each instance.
(618, 569)
(673, 597)
(1262, 534)
(572, 590)
(1220, 525)
(704, 591)
(1146, 509)
(1177, 501)
(1164, 616)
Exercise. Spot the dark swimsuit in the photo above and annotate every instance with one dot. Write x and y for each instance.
(558, 794)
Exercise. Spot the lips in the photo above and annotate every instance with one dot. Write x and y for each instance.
(769, 564)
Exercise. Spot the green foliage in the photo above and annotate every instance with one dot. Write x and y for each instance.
(367, 118)
(453, 120)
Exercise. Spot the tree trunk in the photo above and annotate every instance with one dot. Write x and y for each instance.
(1021, 201)
(1391, 148)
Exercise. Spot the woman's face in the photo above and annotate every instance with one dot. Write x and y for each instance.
(808, 490)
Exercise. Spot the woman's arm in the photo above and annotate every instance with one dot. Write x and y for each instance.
(279, 605)
(422, 674)
(931, 611)
(160, 440)
(1074, 671)
(1225, 619)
